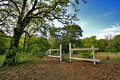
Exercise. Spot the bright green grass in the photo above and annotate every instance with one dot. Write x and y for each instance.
(2, 58)
(21, 59)
(113, 58)
(25, 59)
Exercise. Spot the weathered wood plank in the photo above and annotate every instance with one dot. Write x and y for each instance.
(60, 52)
(84, 59)
(54, 56)
(70, 51)
(76, 49)
(93, 55)
(54, 49)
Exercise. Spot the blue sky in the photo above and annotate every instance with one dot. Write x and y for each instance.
(98, 17)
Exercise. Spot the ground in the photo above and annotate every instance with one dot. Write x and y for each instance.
(51, 69)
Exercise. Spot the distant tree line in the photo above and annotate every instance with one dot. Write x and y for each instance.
(72, 34)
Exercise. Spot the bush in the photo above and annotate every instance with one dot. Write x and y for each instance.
(39, 47)
(4, 44)
(87, 54)
(110, 49)
(37, 52)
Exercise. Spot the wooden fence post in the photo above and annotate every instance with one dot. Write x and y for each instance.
(93, 55)
(70, 51)
(60, 52)
(50, 52)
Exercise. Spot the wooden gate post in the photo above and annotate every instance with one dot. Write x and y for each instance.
(70, 51)
(50, 52)
(93, 55)
(60, 52)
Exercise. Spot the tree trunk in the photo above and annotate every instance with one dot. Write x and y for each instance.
(18, 31)
(28, 44)
(24, 49)
(10, 57)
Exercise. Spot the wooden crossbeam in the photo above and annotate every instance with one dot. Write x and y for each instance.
(54, 56)
(76, 49)
(84, 59)
(54, 49)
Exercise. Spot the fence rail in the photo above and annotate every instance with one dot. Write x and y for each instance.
(77, 49)
(54, 49)
(50, 55)
(84, 59)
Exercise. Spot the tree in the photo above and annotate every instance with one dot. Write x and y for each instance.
(39, 46)
(16, 15)
(89, 42)
(116, 42)
(101, 44)
(66, 35)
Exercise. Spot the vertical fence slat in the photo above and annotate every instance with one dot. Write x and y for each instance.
(70, 51)
(93, 55)
(60, 52)
(50, 52)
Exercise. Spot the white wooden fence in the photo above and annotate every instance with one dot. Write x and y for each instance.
(84, 59)
(50, 55)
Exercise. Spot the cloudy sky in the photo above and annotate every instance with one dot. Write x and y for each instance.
(98, 17)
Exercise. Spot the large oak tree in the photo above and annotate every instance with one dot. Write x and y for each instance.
(16, 15)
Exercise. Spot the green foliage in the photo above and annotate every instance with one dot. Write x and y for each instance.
(23, 15)
(37, 52)
(11, 56)
(66, 35)
(2, 58)
(87, 54)
(104, 45)
(4, 44)
(116, 42)
(110, 49)
(39, 47)
(89, 42)
(101, 44)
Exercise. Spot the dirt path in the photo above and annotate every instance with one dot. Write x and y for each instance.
(51, 69)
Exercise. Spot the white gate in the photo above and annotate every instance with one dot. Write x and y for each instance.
(50, 55)
(84, 59)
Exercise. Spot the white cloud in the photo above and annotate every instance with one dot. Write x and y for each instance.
(58, 24)
(108, 13)
(82, 24)
(103, 35)
(85, 36)
(113, 28)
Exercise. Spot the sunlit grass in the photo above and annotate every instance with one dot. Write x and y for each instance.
(113, 58)
(21, 59)
(2, 58)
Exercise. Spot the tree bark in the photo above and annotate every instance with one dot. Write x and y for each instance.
(24, 42)
(10, 57)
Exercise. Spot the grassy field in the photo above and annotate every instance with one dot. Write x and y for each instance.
(2, 57)
(21, 59)
(113, 58)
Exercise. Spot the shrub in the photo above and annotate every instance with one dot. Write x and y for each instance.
(4, 44)
(87, 54)
(39, 47)
(37, 52)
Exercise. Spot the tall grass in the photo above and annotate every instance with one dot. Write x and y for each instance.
(2, 58)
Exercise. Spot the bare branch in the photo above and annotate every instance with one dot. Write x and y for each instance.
(15, 6)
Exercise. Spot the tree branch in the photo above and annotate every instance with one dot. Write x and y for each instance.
(33, 8)
(15, 6)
